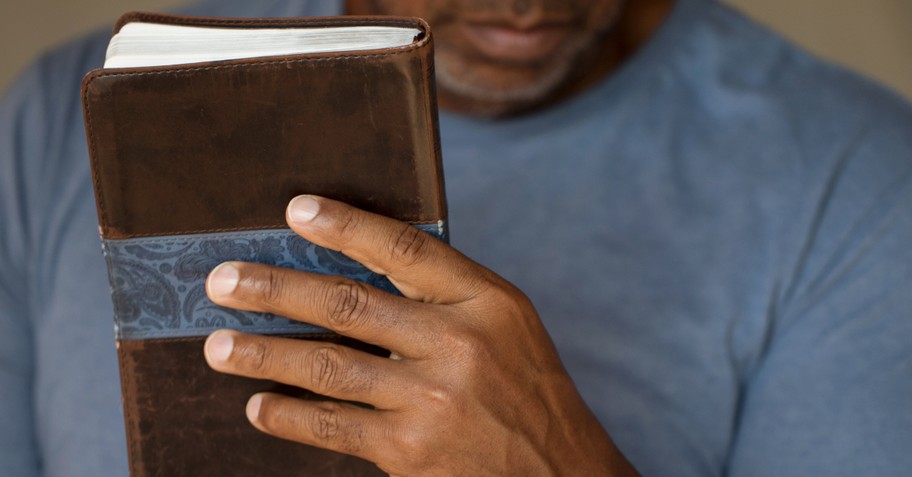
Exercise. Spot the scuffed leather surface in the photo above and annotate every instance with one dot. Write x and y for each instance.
(221, 148)
(224, 146)
(158, 285)
(184, 419)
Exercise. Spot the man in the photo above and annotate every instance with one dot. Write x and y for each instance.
(712, 226)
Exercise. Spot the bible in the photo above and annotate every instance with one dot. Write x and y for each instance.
(200, 131)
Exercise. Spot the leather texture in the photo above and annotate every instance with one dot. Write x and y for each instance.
(194, 165)
(184, 419)
(354, 126)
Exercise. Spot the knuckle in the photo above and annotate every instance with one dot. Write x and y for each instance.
(326, 366)
(328, 426)
(410, 246)
(514, 307)
(325, 422)
(253, 355)
(469, 353)
(464, 343)
(440, 398)
(347, 226)
(508, 303)
(269, 286)
(348, 305)
(412, 446)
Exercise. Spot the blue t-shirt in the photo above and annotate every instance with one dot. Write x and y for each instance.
(717, 237)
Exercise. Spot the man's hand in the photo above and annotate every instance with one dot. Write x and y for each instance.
(474, 385)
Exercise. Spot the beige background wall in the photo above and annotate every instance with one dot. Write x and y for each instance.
(874, 36)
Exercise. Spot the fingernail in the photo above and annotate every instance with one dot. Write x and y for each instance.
(219, 345)
(223, 280)
(303, 209)
(253, 407)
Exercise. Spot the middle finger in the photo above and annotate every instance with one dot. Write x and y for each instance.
(348, 307)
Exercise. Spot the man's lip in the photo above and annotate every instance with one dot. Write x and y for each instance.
(508, 43)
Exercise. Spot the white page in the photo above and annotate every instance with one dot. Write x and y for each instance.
(152, 44)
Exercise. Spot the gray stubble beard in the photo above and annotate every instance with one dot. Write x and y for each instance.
(503, 101)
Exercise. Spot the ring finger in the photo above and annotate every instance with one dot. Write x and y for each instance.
(324, 368)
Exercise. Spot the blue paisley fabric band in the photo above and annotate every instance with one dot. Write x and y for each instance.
(158, 283)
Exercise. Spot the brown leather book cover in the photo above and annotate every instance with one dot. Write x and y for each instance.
(193, 165)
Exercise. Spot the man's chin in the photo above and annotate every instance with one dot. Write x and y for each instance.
(498, 91)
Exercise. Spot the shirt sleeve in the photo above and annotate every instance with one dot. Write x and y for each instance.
(833, 394)
(21, 126)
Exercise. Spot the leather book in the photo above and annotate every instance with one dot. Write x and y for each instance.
(193, 165)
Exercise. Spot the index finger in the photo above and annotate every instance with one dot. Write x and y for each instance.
(420, 266)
